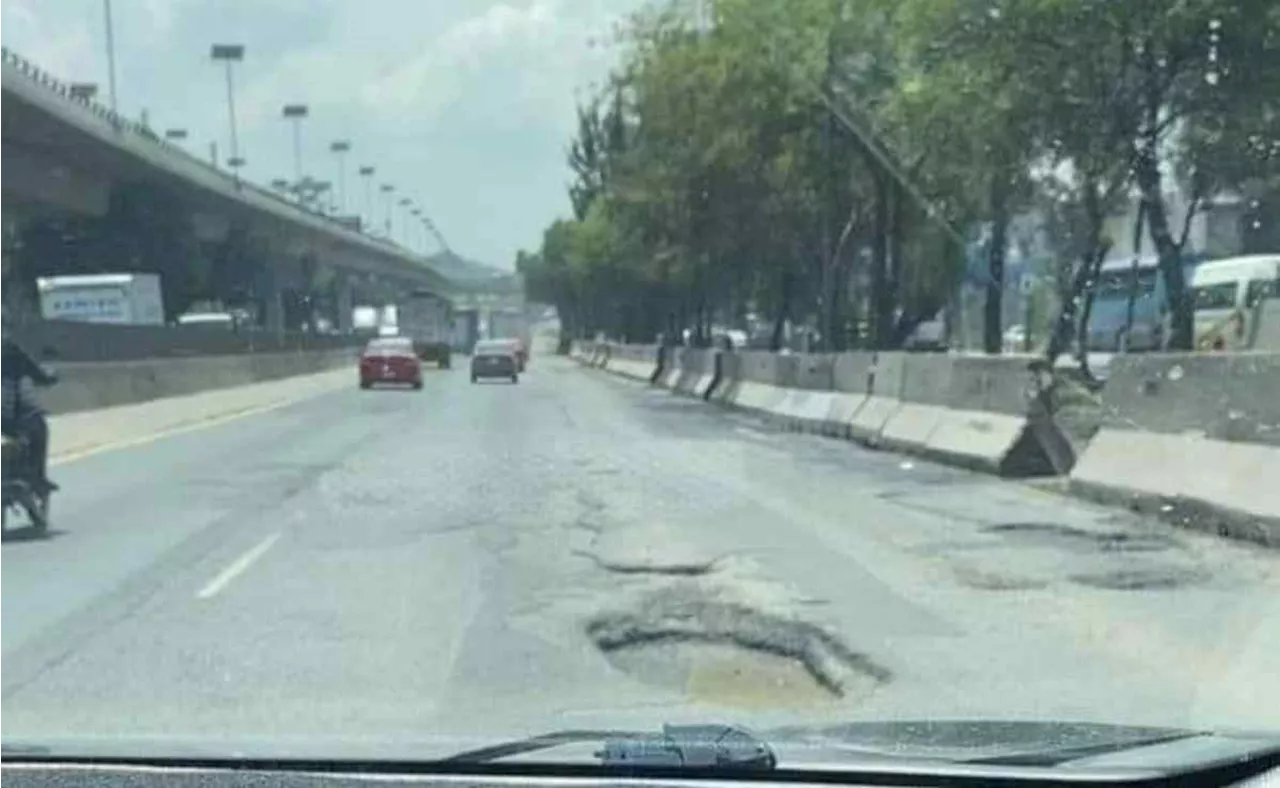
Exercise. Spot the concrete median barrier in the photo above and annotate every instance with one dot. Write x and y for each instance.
(989, 424)
(926, 381)
(637, 362)
(1194, 437)
(696, 374)
(670, 370)
(599, 355)
(884, 398)
(970, 411)
(728, 378)
(808, 380)
(758, 384)
(851, 384)
(1264, 331)
(95, 385)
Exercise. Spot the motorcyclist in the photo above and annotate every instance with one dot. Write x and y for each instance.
(22, 418)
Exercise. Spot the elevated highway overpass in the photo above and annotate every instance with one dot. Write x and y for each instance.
(70, 159)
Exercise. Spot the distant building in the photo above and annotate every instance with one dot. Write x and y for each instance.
(1217, 228)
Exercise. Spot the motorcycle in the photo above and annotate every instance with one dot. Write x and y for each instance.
(20, 489)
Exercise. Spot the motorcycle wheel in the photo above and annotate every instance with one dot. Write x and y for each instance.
(37, 507)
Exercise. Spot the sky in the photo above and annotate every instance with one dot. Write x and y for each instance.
(465, 106)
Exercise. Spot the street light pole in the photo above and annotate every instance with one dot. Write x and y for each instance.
(387, 189)
(295, 113)
(228, 54)
(340, 149)
(404, 217)
(367, 172)
(111, 54)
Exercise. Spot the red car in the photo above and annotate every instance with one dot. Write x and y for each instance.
(390, 360)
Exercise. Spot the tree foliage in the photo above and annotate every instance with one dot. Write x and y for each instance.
(825, 164)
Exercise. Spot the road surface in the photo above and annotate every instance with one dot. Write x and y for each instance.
(576, 551)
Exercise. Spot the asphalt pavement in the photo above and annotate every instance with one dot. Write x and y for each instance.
(477, 561)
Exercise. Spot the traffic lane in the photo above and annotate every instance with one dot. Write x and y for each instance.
(1057, 607)
(347, 621)
(120, 512)
(504, 522)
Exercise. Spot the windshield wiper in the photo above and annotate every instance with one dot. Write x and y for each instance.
(677, 746)
(1053, 757)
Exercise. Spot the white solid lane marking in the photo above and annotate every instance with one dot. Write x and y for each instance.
(237, 567)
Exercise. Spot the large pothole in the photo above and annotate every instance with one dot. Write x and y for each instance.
(1070, 537)
(675, 567)
(728, 653)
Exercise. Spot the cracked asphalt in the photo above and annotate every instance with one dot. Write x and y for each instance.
(476, 562)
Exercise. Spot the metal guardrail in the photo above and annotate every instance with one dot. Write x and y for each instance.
(121, 124)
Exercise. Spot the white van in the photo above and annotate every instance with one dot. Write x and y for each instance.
(223, 320)
(1224, 294)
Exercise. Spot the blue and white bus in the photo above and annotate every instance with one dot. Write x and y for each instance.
(1110, 329)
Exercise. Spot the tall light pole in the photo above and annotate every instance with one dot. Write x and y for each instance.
(405, 202)
(111, 54)
(340, 149)
(323, 188)
(228, 54)
(417, 214)
(366, 172)
(295, 113)
(387, 190)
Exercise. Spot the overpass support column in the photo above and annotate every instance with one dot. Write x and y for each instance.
(345, 302)
(272, 298)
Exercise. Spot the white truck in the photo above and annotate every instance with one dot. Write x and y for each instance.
(122, 299)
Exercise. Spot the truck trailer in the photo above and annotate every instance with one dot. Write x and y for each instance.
(426, 318)
(121, 299)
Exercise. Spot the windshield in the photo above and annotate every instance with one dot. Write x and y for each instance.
(1119, 284)
(1219, 296)
(476, 370)
(390, 346)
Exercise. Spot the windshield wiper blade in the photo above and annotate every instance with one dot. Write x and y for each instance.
(544, 741)
(1053, 757)
(677, 746)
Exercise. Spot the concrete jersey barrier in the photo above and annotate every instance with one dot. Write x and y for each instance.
(728, 378)
(969, 411)
(1193, 436)
(759, 385)
(696, 372)
(992, 422)
(884, 398)
(808, 379)
(93, 385)
(637, 362)
(926, 381)
(851, 386)
(669, 370)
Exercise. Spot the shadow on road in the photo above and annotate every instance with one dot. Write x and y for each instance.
(29, 535)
